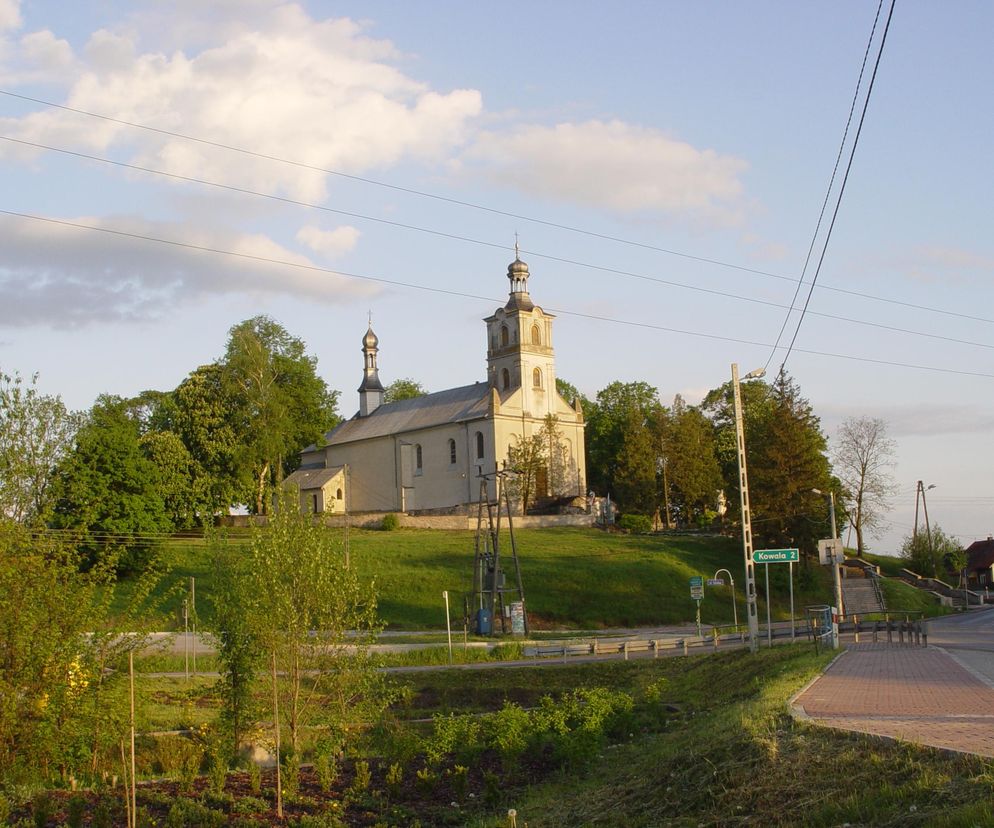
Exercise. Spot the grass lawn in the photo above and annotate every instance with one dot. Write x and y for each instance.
(573, 577)
(733, 756)
(902, 597)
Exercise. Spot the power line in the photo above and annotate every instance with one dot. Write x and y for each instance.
(467, 204)
(831, 184)
(483, 243)
(842, 187)
(464, 295)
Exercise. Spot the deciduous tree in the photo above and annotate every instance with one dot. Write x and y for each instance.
(864, 457)
(282, 403)
(36, 433)
(403, 389)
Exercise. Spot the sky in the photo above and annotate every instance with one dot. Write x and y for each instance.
(663, 165)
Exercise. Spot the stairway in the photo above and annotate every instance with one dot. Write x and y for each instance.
(859, 596)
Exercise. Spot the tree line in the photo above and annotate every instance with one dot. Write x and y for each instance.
(133, 468)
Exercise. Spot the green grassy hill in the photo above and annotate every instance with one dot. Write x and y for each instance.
(573, 577)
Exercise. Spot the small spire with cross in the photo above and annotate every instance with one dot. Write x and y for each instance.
(517, 250)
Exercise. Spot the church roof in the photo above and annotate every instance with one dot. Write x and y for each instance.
(455, 405)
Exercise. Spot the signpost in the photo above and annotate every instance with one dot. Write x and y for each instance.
(768, 556)
(697, 594)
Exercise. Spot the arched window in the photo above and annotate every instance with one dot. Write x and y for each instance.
(338, 495)
(504, 337)
(452, 452)
(537, 378)
(505, 379)
(536, 335)
(479, 445)
(418, 467)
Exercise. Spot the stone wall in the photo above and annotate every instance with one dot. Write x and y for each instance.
(373, 520)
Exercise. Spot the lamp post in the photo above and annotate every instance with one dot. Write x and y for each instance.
(836, 576)
(735, 612)
(752, 619)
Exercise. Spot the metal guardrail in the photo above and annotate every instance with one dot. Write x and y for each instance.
(898, 629)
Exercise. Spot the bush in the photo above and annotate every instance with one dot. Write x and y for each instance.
(75, 809)
(395, 775)
(635, 524)
(326, 770)
(255, 778)
(291, 774)
(249, 805)
(507, 732)
(390, 522)
(188, 813)
(360, 784)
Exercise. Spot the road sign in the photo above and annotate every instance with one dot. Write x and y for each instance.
(716, 581)
(697, 587)
(830, 550)
(768, 556)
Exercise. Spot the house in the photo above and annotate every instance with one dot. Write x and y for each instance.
(980, 564)
(431, 453)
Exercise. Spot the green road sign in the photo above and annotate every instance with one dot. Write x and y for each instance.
(697, 587)
(697, 581)
(776, 556)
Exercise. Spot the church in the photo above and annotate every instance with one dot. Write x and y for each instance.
(430, 453)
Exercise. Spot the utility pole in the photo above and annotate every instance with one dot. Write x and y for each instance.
(752, 618)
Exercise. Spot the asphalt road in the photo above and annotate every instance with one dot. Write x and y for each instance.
(969, 638)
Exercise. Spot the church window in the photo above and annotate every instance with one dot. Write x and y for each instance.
(537, 378)
(418, 466)
(452, 452)
(338, 495)
(314, 503)
(504, 337)
(505, 379)
(479, 445)
(536, 335)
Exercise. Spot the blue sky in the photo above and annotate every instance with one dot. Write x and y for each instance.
(709, 130)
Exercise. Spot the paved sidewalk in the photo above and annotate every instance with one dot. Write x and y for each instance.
(916, 694)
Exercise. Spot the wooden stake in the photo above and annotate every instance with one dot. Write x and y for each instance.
(276, 724)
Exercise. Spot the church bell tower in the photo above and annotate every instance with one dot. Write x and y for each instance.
(371, 391)
(519, 352)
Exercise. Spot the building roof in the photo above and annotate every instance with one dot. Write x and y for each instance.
(980, 555)
(306, 479)
(455, 405)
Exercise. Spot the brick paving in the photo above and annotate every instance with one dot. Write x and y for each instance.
(916, 694)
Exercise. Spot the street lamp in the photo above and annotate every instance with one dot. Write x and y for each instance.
(750, 577)
(835, 540)
(731, 581)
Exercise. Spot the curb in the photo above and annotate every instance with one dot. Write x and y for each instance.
(796, 711)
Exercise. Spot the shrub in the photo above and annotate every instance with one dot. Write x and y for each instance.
(326, 770)
(390, 522)
(459, 735)
(635, 524)
(460, 781)
(75, 809)
(291, 774)
(41, 809)
(395, 775)
(360, 784)
(249, 805)
(188, 813)
(255, 778)
(426, 780)
(507, 732)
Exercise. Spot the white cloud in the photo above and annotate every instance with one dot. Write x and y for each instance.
(10, 14)
(66, 277)
(319, 92)
(329, 242)
(618, 165)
